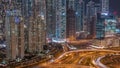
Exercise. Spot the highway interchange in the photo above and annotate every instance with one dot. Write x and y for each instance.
(85, 58)
(78, 58)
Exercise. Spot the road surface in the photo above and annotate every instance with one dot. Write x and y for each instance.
(78, 59)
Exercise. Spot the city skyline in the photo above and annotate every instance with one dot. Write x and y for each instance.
(59, 34)
(114, 5)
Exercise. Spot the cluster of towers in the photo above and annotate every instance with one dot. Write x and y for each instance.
(67, 18)
(64, 18)
(26, 24)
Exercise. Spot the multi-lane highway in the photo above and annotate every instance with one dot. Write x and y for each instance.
(79, 59)
(82, 58)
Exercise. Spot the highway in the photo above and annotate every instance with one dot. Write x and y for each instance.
(85, 58)
(82, 58)
(97, 62)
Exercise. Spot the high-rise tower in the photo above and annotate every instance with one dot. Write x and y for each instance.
(70, 23)
(71, 3)
(50, 18)
(60, 19)
(79, 14)
(40, 13)
(14, 29)
(105, 7)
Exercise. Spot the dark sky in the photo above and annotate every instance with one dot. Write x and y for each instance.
(115, 5)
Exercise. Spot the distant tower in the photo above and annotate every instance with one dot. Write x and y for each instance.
(90, 13)
(90, 10)
(14, 29)
(27, 12)
(2, 19)
(71, 23)
(105, 6)
(40, 24)
(91, 18)
(70, 26)
(71, 3)
(79, 13)
(50, 18)
(41, 33)
(60, 19)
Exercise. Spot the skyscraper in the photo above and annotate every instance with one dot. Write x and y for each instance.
(71, 23)
(90, 10)
(60, 19)
(50, 18)
(28, 14)
(105, 7)
(2, 19)
(14, 29)
(40, 32)
(100, 27)
(23, 28)
(70, 3)
(71, 20)
(34, 12)
(92, 21)
(90, 14)
(79, 14)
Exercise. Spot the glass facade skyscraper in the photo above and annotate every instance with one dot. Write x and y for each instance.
(51, 18)
(60, 19)
(105, 6)
(79, 14)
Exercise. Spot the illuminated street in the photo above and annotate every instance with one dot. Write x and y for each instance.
(74, 59)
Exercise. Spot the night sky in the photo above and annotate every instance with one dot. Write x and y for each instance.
(115, 5)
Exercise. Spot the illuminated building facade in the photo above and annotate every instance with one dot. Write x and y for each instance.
(110, 26)
(92, 23)
(39, 25)
(34, 12)
(27, 8)
(80, 13)
(91, 19)
(28, 14)
(90, 10)
(105, 6)
(2, 16)
(41, 33)
(70, 25)
(14, 30)
(118, 25)
(71, 3)
(25, 30)
(100, 26)
(60, 19)
(50, 18)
